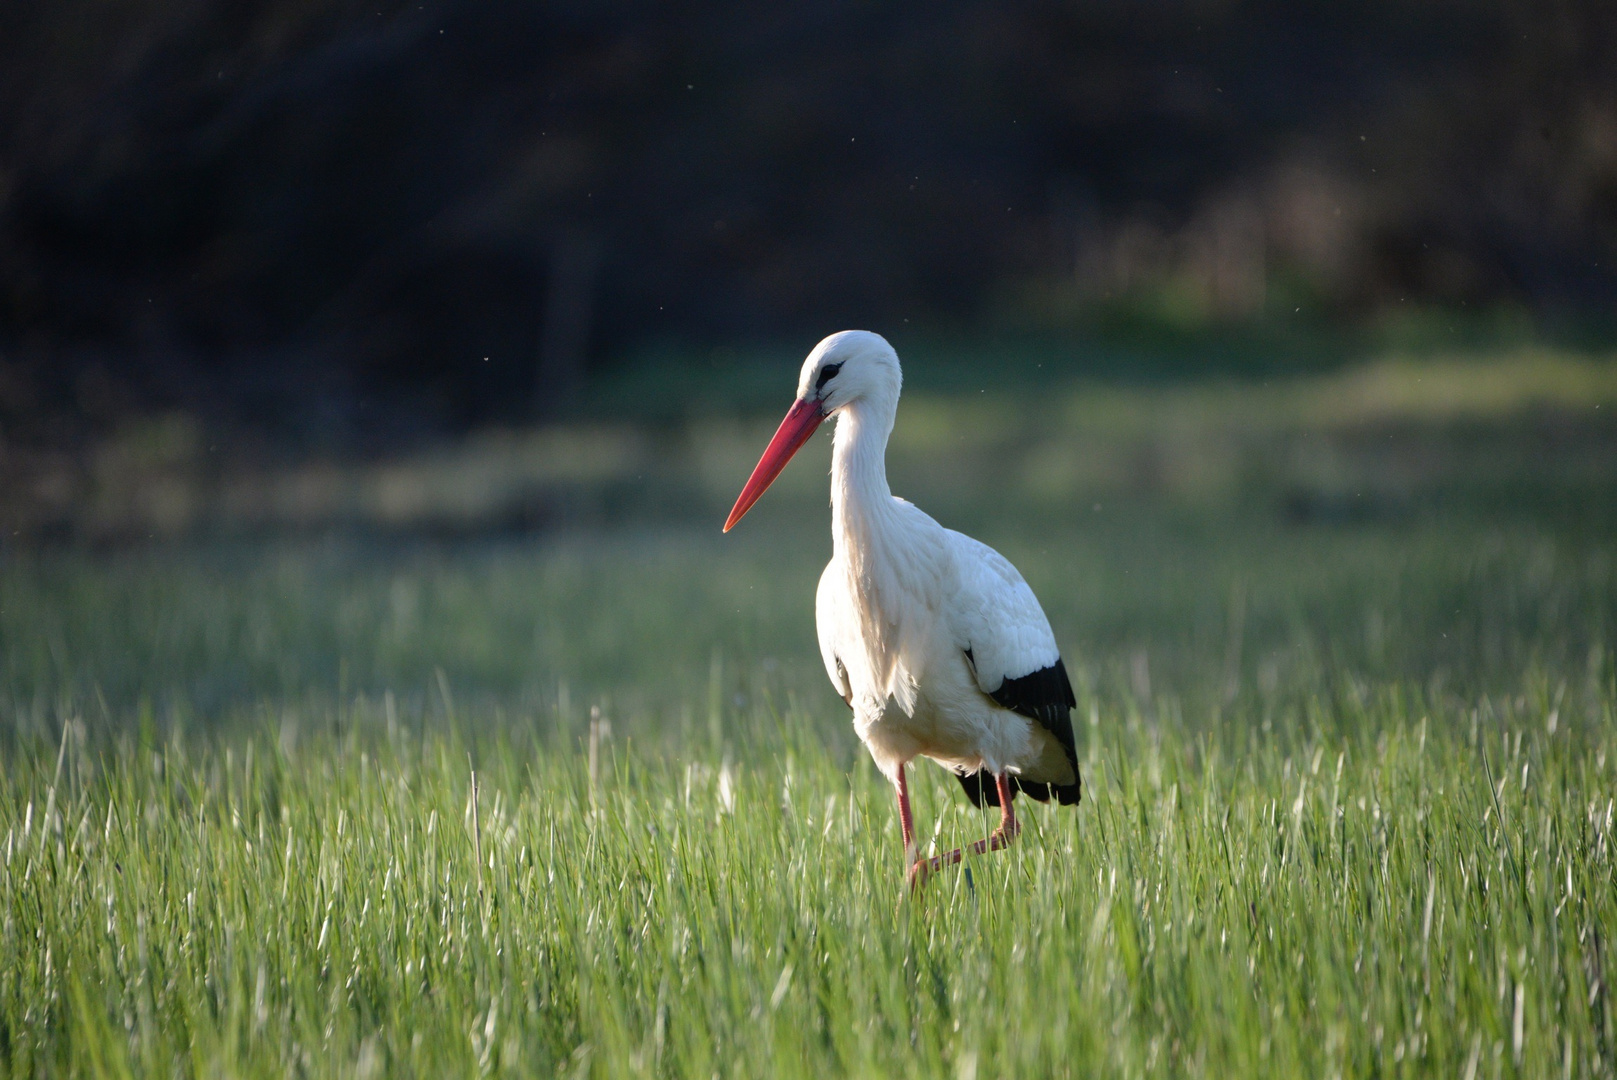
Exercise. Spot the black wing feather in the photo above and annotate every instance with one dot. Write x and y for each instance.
(1046, 698)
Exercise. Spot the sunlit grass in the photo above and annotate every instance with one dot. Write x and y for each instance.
(279, 902)
(1348, 810)
(1349, 782)
(1034, 432)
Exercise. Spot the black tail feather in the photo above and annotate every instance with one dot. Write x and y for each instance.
(1046, 698)
(982, 791)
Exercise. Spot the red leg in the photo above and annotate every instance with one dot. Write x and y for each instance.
(998, 840)
(906, 820)
(918, 867)
(1009, 827)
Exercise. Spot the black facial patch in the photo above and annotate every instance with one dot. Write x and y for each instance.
(827, 373)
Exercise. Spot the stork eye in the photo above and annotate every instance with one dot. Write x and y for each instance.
(827, 373)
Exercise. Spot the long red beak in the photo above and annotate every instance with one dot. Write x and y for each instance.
(801, 420)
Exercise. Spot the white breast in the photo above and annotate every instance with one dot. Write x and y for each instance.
(895, 622)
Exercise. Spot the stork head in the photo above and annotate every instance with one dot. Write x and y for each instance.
(850, 366)
(846, 368)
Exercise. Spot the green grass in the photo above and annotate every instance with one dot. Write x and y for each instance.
(1363, 905)
(1348, 807)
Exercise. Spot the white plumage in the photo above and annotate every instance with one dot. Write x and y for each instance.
(932, 638)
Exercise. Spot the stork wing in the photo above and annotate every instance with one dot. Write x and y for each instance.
(998, 618)
(1013, 656)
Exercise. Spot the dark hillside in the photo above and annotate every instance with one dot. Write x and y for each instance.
(343, 220)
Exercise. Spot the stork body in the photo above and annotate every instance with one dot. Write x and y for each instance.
(933, 639)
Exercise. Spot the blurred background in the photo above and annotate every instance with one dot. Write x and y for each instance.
(345, 343)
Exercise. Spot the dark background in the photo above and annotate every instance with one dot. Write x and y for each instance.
(356, 225)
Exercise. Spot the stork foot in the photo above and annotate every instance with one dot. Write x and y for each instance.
(920, 870)
(1001, 837)
(923, 868)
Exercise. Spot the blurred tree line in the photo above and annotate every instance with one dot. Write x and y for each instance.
(376, 219)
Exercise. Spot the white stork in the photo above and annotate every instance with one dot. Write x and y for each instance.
(932, 638)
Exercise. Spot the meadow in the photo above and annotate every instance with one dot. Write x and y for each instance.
(581, 802)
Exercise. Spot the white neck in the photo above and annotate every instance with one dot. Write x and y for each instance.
(861, 502)
(869, 533)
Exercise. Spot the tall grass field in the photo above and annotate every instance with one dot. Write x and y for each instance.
(582, 802)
